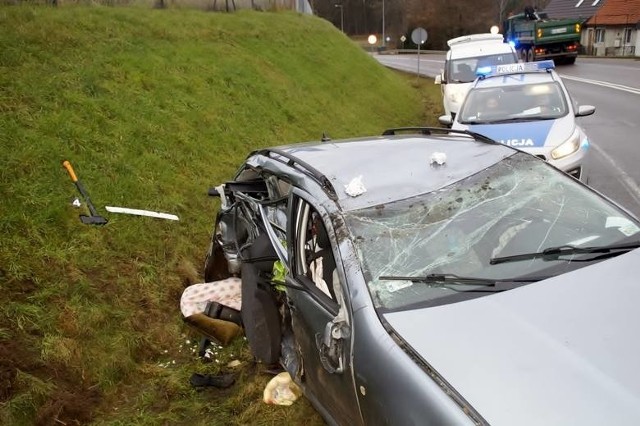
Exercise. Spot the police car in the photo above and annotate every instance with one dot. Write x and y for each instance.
(527, 106)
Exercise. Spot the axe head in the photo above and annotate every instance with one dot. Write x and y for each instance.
(93, 220)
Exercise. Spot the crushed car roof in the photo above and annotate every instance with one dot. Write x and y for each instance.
(394, 167)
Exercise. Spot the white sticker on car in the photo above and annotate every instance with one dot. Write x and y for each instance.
(394, 286)
(624, 225)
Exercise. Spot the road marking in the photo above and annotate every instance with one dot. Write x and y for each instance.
(625, 179)
(608, 66)
(602, 83)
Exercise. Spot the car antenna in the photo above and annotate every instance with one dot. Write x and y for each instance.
(325, 138)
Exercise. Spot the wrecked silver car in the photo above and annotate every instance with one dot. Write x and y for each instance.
(430, 276)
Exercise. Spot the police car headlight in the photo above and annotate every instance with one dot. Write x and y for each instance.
(568, 147)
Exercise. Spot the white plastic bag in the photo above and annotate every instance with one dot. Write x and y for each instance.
(281, 390)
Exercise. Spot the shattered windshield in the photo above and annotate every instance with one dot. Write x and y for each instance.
(514, 103)
(519, 205)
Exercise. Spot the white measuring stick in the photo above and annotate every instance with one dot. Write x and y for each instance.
(141, 212)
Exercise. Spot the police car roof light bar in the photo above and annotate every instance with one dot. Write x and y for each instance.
(516, 68)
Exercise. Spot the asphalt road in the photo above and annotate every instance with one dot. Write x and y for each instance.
(613, 87)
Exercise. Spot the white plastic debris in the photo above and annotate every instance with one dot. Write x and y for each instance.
(355, 187)
(75, 202)
(281, 390)
(439, 158)
(138, 212)
(224, 204)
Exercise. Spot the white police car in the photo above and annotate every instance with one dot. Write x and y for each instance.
(526, 106)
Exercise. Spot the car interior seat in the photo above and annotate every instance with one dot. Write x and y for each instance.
(259, 311)
(328, 260)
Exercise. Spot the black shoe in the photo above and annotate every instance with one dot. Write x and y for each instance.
(221, 381)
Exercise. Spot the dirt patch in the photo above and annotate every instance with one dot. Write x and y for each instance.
(72, 402)
(68, 407)
(13, 357)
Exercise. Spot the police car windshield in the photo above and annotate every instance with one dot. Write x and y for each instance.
(464, 70)
(521, 102)
(519, 205)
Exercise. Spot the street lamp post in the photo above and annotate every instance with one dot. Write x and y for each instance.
(341, 16)
(384, 39)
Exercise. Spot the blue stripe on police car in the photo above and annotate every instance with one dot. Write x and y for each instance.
(528, 134)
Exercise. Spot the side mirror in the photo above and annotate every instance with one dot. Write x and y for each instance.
(445, 120)
(438, 79)
(584, 110)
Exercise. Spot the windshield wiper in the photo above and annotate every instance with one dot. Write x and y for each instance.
(554, 253)
(447, 279)
(512, 120)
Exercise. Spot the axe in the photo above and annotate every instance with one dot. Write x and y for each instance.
(95, 218)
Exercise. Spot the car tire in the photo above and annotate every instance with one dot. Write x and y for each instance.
(530, 57)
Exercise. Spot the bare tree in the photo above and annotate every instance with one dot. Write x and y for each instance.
(443, 19)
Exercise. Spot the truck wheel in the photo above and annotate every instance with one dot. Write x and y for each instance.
(530, 55)
(570, 61)
(522, 54)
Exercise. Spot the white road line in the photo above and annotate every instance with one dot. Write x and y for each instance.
(624, 178)
(608, 66)
(602, 83)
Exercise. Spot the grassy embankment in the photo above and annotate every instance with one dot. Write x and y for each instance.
(152, 107)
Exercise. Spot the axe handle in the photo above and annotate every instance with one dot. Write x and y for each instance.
(67, 165)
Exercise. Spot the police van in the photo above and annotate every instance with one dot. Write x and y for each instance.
(465, 55)
(527, 106)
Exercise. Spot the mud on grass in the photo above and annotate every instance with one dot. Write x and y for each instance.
(27, 384)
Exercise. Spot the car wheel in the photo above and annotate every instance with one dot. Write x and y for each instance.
(530, 55)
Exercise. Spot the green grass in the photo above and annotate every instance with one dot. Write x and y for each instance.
(152, 107)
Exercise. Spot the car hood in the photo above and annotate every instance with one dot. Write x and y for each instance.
(557, 352)
(528, 134)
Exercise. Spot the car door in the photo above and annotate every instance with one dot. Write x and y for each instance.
(320, 314)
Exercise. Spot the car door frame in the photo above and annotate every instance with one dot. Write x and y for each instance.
(317, 325)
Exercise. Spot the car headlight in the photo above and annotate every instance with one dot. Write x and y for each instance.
(568, 147)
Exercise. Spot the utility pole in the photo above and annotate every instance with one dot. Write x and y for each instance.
(384, 39)
(341, 6)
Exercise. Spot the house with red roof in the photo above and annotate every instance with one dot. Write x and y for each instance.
(581, 9)
(614, 30)
(574, 9)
